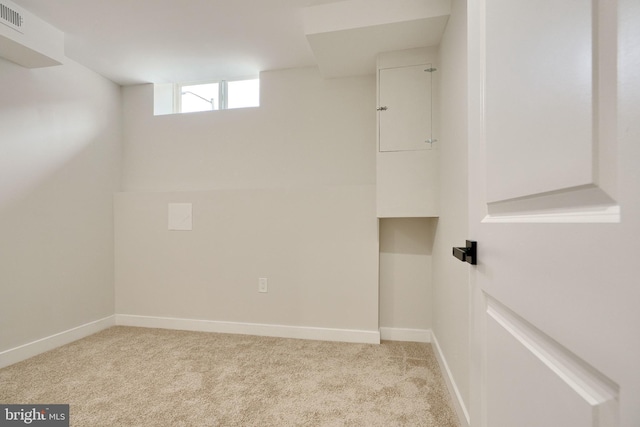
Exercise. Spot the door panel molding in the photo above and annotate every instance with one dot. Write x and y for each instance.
(550, 126)
(587, 395)
(587, 203)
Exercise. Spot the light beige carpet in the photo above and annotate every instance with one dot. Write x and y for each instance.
(127, 376)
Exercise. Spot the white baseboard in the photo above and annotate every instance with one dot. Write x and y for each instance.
(281, 331)
(458, 403)
(23, 352)
(403, 334)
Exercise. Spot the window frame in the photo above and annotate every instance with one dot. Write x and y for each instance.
(223, 93)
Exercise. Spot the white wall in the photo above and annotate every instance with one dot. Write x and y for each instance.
(406, 246)
(450, 280)
(406, 194)
(308, 132)
(317, 248)
(407, 179)
(60, 141)
(285, 191)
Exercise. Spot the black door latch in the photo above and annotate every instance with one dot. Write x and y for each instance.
(467, 254)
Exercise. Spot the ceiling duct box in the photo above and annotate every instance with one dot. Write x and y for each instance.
(28, 40)
(347, 36)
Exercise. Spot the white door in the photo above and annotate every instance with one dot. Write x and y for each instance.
(404, 99)
(554, 124)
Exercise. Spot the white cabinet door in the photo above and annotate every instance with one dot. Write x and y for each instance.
(404, 108)
(554, 205)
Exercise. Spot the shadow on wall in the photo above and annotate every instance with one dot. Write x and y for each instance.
(406, 246)
(57, 249)
(59, 168)
(48, 116)
(407, 235)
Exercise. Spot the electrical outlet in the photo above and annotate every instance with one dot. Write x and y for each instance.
(263, 284)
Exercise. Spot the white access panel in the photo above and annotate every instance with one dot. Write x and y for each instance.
(404, 108)
(180, 216)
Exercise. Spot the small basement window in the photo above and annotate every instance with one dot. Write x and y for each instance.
(175, 98)
(203, 97)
